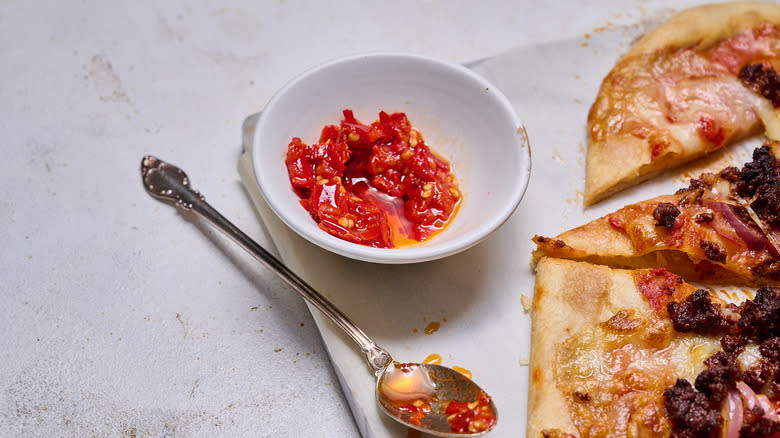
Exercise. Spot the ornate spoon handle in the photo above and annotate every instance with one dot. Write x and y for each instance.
(167, 182)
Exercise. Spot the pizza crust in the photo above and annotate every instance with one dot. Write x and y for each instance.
(705, 25)
(568, 296)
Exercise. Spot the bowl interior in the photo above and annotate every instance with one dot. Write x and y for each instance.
(461, 116)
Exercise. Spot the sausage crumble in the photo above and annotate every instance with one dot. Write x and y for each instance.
(665, 213)
(696, 314)
(760, 178)
(695, 412)
(713, 251)
(762, 79)
(690, 412)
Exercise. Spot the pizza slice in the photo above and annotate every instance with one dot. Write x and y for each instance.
(618, 353)
(723, 228)
(702, 79)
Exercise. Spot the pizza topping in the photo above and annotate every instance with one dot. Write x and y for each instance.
(735, 414)
(617, 221)
(763, 428)
(665, 214)
(613, 379)
(760, 317)
(758, 374)
(556, 243)
(752, 238)
(690, 412)
(622, 321)
(753, 410)
(703, 218)
(747, 45)
(770, 349)
(773, 243)
(763, 79)
(718, 377)
(658, 286)
(730, 174)
(753, 207)
(759, 416)
(715, 384)
(695, 414)
(696, 314)
(751, 414)
(759, 182)
(713, 251)
(711, 130)
(697, 184)
(733, 344)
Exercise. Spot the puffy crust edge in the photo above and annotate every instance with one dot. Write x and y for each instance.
(705, 25)
(568, 296)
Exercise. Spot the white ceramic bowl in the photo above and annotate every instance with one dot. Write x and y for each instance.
(462, 117)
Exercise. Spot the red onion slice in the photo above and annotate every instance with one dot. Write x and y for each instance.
(735, 414)
(748, 395)
(753, 239)
(771, 239)
(766, 405)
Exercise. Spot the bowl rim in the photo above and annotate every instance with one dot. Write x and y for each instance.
(423, 252)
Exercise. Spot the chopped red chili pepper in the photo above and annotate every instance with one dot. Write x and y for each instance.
(473, 417)
(378, 185)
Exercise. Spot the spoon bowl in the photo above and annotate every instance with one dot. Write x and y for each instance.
(431, 398)
(422, 396)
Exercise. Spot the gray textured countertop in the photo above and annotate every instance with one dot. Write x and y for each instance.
(123, 317)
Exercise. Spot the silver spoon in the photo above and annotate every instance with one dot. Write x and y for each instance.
(417, 395)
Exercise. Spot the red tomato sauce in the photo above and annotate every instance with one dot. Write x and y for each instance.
(378, 185)
(658, 286)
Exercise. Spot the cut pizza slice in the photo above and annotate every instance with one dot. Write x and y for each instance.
(724, 228)
(700, 80)
(617, 353)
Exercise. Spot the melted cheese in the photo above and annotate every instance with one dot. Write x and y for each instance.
(749, 356)
(613, 379)
(769, 115)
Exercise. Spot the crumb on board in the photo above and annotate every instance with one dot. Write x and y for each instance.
(523, 362)
(527, 302)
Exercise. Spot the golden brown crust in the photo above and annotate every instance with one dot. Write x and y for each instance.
(705, 25)
(675, 95)
(554, 319)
